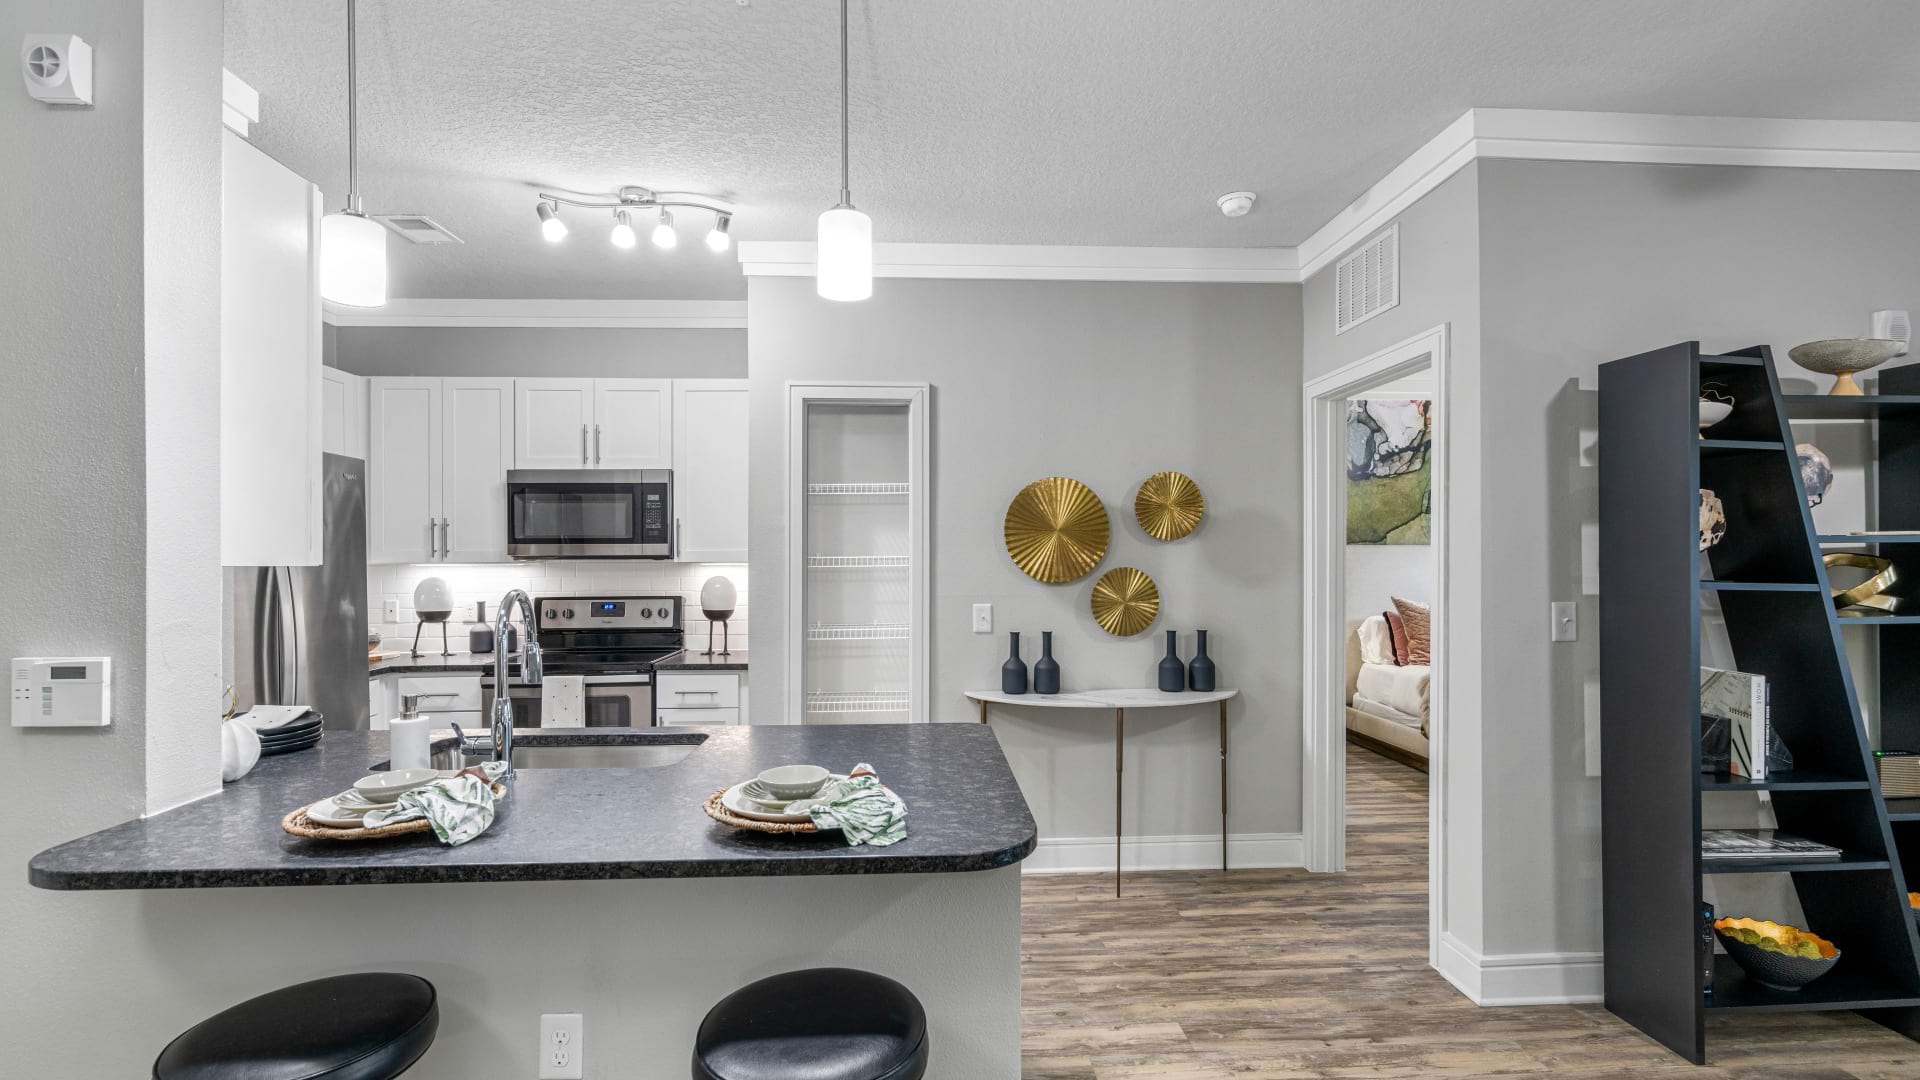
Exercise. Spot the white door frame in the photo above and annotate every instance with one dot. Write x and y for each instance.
(800, 395)
(1323, 747)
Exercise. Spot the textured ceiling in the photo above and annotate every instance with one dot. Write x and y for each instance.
(988, 121)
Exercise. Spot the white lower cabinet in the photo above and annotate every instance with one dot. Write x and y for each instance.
(705, 697)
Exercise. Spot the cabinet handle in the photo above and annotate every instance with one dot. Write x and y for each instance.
(583, 444)
(596, 444)
(446, 538)
(673, 549)
(709, 693)
(433, 540)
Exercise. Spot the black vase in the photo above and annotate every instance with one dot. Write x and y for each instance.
(1046, 670)
(1173, 673)
(1013, 673)
(1200, 671)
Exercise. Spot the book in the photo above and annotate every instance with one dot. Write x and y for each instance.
(1762, 845)
(1899, 773)
(1741, 699)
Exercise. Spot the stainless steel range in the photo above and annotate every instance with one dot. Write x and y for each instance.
(613, 641)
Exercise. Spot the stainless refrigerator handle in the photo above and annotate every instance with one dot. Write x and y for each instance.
(583, 444)
(596, 444)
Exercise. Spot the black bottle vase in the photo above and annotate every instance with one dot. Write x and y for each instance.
(1013, 673)
(1173, 673)
(1046, 670)
(1200, 672)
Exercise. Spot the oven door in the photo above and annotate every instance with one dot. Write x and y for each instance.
(590, 513)
(612, 701)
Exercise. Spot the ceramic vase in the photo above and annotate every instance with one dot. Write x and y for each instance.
(1046, 670)
(1013, 673)
(239, 750)
(1173, 673)
(1200, 674)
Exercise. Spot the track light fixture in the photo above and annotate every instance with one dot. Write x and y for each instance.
(551, 226)
(664, 237)
(630, 201)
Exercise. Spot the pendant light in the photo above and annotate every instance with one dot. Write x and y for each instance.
(844, 261)
(353, 247)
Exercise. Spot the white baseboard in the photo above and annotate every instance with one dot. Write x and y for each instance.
(1093, 854)
(1520, 978)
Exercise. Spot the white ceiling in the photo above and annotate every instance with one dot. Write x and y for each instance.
(986, 121)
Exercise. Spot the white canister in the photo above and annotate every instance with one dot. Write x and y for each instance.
(409, 742)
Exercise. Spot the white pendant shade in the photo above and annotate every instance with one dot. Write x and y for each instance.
(353, 260)
(844, 267)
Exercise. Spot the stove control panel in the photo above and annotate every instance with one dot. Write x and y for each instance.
(608, 612)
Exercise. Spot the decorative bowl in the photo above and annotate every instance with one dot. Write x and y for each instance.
(1770, 967)
(1712, 412)
(1843, 357)
(791, 782)
(386, 787)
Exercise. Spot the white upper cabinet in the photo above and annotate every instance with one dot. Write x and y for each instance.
(710, 469)
(477, 450)
(403, 470)
(270, 399)
(633, 423)
(553, 423)
(343, 413)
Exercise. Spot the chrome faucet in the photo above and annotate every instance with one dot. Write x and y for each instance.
(530, 672)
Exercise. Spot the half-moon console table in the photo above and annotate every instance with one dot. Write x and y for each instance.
(1120, 701)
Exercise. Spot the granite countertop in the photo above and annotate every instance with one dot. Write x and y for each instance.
(691, 660)
(966, 812)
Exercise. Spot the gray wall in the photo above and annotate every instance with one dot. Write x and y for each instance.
(556, 352)
(1107, 383)
(1440, 256)
(1583, 263)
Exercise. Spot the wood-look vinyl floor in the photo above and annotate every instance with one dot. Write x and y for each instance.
(1280, 973)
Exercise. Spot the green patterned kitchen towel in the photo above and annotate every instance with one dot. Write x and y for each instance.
(459, 807)
(863, 811)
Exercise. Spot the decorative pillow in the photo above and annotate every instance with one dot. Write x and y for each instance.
(1376, 641)
(1418, 622)
(1399, 631)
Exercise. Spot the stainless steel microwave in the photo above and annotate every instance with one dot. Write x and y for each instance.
(590, 514)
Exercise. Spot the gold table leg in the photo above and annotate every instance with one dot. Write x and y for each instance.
(983, 711)
(1119, 780)
(1223, 786)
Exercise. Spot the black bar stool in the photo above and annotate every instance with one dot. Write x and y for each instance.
(817, 1024)
(369, 1026)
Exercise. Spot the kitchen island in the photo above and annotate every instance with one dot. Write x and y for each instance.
(606, 891)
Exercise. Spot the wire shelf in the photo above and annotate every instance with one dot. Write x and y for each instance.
(857, 701)
(858, 632)
(859, 489)
(851, 562)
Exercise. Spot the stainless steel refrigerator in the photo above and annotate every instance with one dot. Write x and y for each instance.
(300, 632)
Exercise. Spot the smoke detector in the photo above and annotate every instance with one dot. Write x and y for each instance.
(1236, 203)
(58, 68)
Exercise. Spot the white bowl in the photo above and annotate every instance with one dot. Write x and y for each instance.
(1712, 412)
(386, 787)
(795, 781)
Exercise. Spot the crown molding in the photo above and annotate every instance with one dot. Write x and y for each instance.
(631, 314)
(1036, 262)
(1633, 138)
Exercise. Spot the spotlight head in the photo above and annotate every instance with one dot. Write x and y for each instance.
(551, 226)
(664, 237)
(622, 234)
(718, 239)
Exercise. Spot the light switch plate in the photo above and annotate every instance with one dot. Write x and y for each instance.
(563, 1046)
(983, 618)
(1566, 621)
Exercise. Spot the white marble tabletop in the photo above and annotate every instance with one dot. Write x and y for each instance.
(1126, 698)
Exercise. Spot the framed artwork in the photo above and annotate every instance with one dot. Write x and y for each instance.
(1389, 472)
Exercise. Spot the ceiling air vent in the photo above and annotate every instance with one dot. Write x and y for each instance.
(1367, 282)
(418, 228)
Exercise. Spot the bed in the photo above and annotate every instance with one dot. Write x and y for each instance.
(1387, 703)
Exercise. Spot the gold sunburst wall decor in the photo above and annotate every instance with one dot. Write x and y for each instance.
(1057, 530)
(1169, 505)
(1125, 601)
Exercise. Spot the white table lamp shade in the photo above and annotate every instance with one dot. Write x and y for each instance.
(717, 598)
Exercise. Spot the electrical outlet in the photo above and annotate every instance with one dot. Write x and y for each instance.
(983, 618)
(390, 611)
(563, 1049)
(1566, 621)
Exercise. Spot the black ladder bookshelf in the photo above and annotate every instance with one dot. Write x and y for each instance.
(1771, 587)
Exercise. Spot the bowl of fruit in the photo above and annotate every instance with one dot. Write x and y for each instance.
(1782, 957)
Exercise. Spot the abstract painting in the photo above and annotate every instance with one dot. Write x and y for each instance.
(1389, 472)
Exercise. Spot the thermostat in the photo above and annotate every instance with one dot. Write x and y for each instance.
(62, 691)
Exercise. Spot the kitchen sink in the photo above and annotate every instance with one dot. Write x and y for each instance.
(610, 749)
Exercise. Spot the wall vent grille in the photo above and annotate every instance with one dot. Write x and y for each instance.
(1367, 282)
(418, 228)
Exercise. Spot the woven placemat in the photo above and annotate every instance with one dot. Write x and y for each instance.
(299, 824)
(718, 812)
